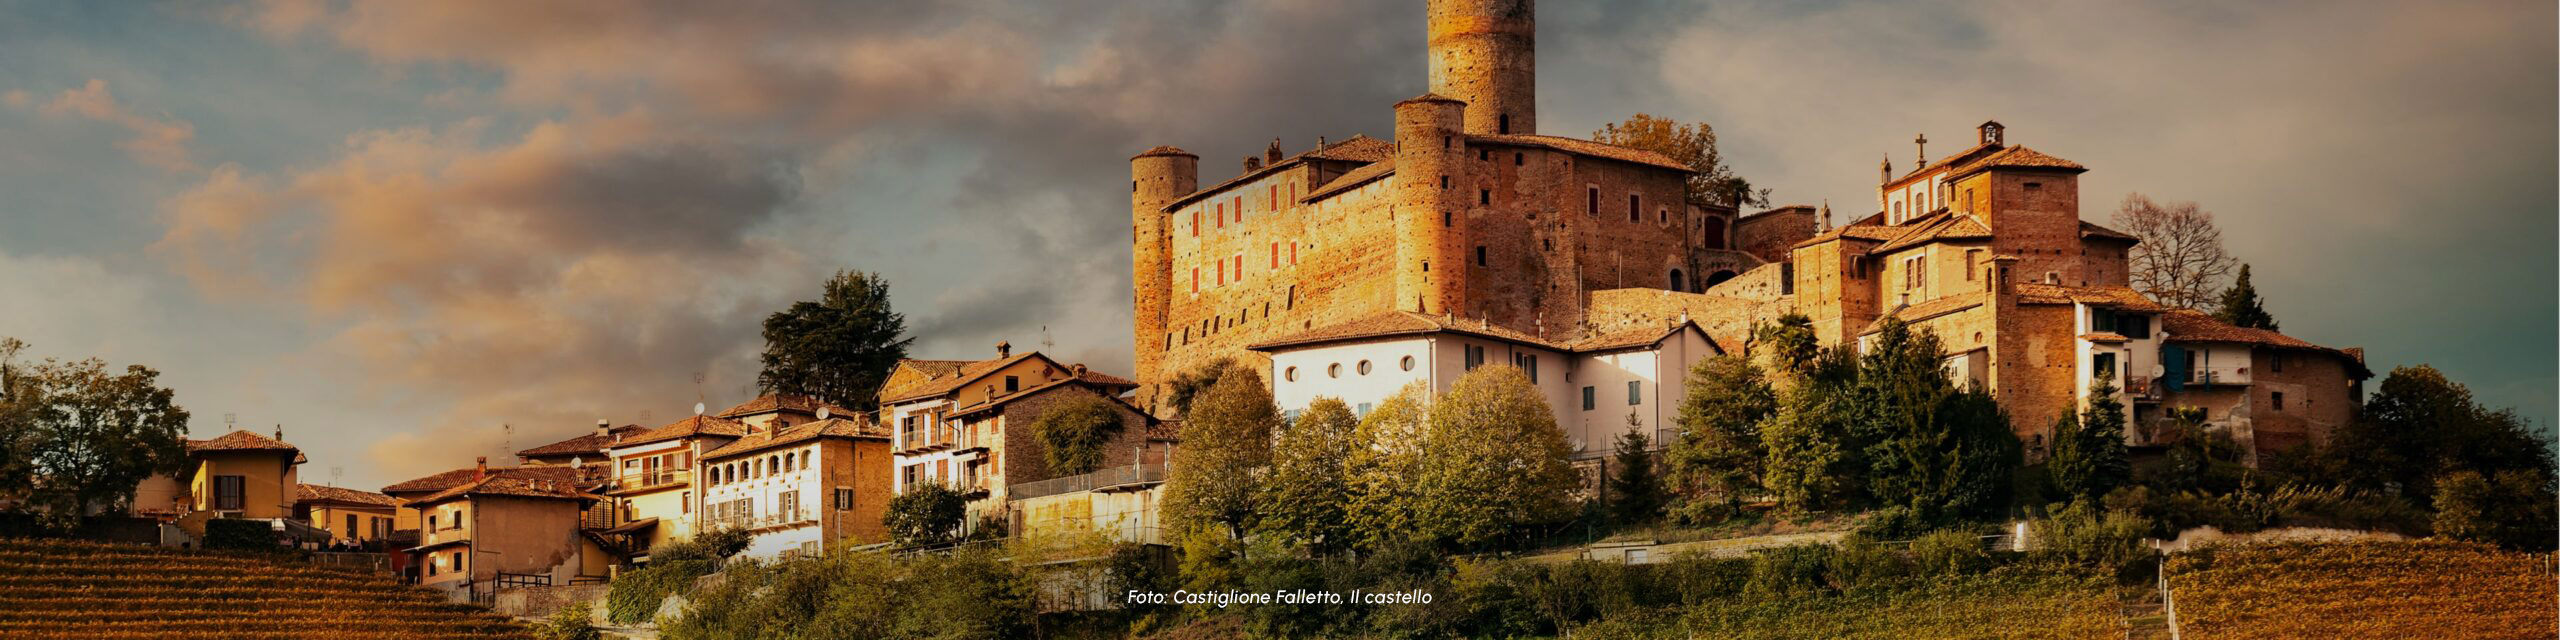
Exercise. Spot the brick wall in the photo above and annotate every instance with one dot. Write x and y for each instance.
(1025, 460)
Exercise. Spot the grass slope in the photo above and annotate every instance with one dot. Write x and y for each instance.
(2424, 589)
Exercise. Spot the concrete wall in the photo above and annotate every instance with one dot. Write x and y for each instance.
(333, 518)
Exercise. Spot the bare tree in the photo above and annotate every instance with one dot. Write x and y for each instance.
(2180, 261)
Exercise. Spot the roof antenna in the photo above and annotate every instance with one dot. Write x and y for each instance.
(1047, 344)
(697, 390)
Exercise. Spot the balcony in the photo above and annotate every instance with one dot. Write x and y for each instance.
(2212, 376)
(765, 521)
(654, 479)
(1123, 478)
(933, 439)
(2142, 388)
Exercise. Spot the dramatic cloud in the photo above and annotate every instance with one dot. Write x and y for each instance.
(156, 141)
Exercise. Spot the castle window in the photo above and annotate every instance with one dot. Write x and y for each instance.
(1133, 186)
(1195, 223)
(1480, 255)
(1444, 182)
(2035, 186)
(1446, 219)
(1503, 123)
(1970, 255)
(1293, 252)
(1787, 277)
(2278, 398)
(1518, 159)
(1484, 196)
(1239, 267)
(1222, 215)
(1272, 201)
(1484, 155)
(1292, 301)
(1676, 282)
(2275, 364)
(1635, 207)
(1275, 255)
(1448, 142)
(1595, 201)
(1239, 201)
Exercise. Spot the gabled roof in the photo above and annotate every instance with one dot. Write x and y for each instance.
(511, 486)
(1871, 228)
(459, 477)
(1352, 179)
(1358, 148)
(2016, 157)
(1107, 386)
(589, 443)
(1402, 323)
(1912, 313)
(1941, 226)
(2091, 230)
(239, 441)
(1635, 337)
(779, 402)
(968, 373)
(1590, 148)
(2192, 326)
(690, 426)
(2110, 296)
(912, 372)
(1966, 155)
(862, 427)
(323, 493)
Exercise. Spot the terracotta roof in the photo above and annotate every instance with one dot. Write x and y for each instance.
(1939, 227)
(239, 441)
(1913, 313)
(910, 373)
(1164, 430)
(1352, 179)
(688, 427)
(1588, 148)
(589, 443)
(2090, 230)
(1162, 150)
(1968, 154)
(2115, 297)
(459, 477)
(828, 428)
(2189, 325)
(497, 485)
(774, 402)
(1358, 148)
(2103, 336)
(1867, 228)
(1402, 323)
(323, 493)
(1639, 337)
(968, 372)
(1107, 386)
(2016, 157)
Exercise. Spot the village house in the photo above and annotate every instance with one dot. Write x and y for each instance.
(653, 485)
(964, 424)
(407, 521)
(588, 453)
(496, 531)
(238, 475)
(350, 516)
(800, 487)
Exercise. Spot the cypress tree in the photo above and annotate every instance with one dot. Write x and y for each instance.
(2240, 306)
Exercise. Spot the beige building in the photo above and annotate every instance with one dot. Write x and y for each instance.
(653, 486)
(800, 487)
(496, 531)
(966, 424)
(349, 515)
(407, 518)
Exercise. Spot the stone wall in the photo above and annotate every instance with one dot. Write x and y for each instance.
(1771, 235)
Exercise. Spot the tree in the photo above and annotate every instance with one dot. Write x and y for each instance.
(1190, 383)
(1637, 493)
(1935, 452)
(2089, 457)
(80, 437)
(1497, 460)
(1793, 346)
(2179, 260)
(2419, 425)
(838, 348)
(1307, 498)
(1807, 466)
(1718, 458)
(2240, 306)
(1711, 183)
(1388, 452)
(2513, 508)
(1073, 433)
(1226, 448)
(925, 514)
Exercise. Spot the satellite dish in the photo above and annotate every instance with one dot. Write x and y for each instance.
(1577, 444)
(697, 408)
(823, 413)
(577, 461)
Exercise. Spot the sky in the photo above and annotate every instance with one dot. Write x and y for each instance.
(412, 233)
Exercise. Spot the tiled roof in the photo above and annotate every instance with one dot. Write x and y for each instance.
(911, 372)
(1930, 309)
(2019, 157)
(945, 384)
(2089, 230)
(589, 443)
(497, 485)
(1358, 148)
(1108, 386)
(2116, 297)
(1163, 150)
(1164, 430)
(1870, 228)
(1352, 179)
(2103, 336)
(1968, 154)
(1588, 148)
(1637, 337)
(688, 427)
(1941, 226)
(324, 493)
(2189, 325)
(1726, 320)
(772, 402)
(828, 428)
(239, 441)
(458, 477)
(1401, 323)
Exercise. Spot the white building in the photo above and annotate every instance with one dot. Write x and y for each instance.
(800, 488)
(1594, 385)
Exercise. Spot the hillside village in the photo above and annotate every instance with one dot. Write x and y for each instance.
(1359, 280)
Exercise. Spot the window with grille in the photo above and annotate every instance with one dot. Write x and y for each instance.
(230, 493)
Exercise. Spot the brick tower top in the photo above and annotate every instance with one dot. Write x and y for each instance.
(1484, 53)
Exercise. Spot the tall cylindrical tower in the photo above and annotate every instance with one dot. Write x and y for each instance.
(1156, 178)
(1484, 52)
(1431, 221)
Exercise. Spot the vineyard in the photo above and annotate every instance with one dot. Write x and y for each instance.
(75, 590)
(2364, 590)
(2011, 602)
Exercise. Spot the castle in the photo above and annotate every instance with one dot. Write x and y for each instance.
(1471, 224)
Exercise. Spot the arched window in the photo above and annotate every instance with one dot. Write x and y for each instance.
(1718, 278)
(1714, 233)
(1678, 283)
(789, 461)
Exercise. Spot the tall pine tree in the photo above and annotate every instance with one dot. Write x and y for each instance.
(2241, 307)
(838, 348)
(1635, 491)
(2089, 456)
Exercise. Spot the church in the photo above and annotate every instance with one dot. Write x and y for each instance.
(1357, 266)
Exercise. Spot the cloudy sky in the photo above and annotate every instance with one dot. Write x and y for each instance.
(394, 227)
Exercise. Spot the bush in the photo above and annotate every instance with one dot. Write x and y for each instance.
(926, 514)
(239, 535)
(2080, 534)
(635, 597)
(1861, 564)
(1949, 552)
(1788, 571)
(1696, 578)
(573, 622)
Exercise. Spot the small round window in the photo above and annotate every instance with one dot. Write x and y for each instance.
(1291, 374)
(1364, 367)
(1333, 370)
(1407, 363)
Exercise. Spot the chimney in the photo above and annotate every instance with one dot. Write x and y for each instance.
(1077, 369)
(602, 428)
(482, 472)
(1888, 169)
(279, 432)
(1271, 154)
(1252, 164)
(1004, 349)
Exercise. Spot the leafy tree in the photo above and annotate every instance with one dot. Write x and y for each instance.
(2179, 260)
(1187, 384)
(1792, 343)
(1226, 448)
(925, 514)
(1934, 451)
(2089, 458)
(1497, 460)
(1808, 464)
(2512, 508)
(838, 348)
(1073, 433)
(2419, 425)
(1307, 498)
(1388, 452)
(2240, 306)
(1637, 493)
(1719, 457)
(80, 438)
(1711, 182)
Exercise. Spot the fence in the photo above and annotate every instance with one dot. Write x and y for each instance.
(1104, 479)
(363, 561)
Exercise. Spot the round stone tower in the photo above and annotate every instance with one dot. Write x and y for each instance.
(1430, 216)
(1484, 53)
(1156, 178)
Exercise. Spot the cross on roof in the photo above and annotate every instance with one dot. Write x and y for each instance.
(1923, 141)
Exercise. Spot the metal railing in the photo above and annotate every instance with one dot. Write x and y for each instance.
(2218, 375)
(761, 521)
(1104, 479)
(662, 477)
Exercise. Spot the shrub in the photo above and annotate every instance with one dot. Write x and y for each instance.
(239, 535)
(1949, 552)
(1861, 564)
(573, 622)
(1074, 434)
(926, 514)
(635, 597)
(1697, 578)
(2080, 534)
(1788, 571)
